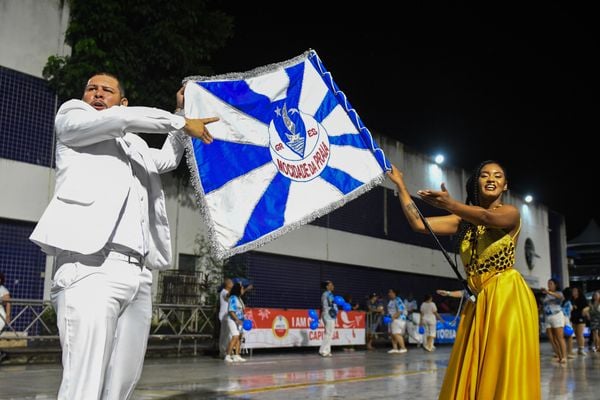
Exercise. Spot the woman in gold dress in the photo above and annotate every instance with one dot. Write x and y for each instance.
(496, 352)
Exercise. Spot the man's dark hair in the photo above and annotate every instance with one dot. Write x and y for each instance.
(120, 85)
(324, 284)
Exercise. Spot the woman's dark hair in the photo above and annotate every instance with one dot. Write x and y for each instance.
(556, 284)
(324, 284)
(1, 278)
(472, 188)
(566, 295)
(236, 290)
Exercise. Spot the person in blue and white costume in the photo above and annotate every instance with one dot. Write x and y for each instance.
(329, 311)
(235, 323)
(397, 311)
(555, 319)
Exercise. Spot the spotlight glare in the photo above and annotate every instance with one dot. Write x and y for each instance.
(528, 198)
(439, 159)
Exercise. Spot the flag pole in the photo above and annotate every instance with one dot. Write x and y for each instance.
(471, 295)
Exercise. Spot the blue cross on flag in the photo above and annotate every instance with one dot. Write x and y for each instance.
(288, 148)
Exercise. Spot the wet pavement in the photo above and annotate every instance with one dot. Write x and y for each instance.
(303, 374)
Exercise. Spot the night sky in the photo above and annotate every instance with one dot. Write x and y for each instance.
(512, 82)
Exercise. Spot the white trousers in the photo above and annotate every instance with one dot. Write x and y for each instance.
(224, 336)
(329, 325)
(2, 317)
(103, 308)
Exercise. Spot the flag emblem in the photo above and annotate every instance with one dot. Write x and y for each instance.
(300, 149)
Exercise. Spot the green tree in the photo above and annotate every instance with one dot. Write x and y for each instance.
(149, 44)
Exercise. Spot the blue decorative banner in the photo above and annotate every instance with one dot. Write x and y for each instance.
(288, 148)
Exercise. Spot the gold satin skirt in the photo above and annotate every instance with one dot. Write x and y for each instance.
(496, 355)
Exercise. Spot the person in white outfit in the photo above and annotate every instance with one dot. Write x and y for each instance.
(429, 318)
(4, 304)
(107, 225)
(4, 309)
(224, 316)
(329, 311)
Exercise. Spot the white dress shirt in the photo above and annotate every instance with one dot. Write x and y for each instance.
(132, 229)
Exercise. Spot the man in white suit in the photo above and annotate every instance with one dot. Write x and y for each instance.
(107, 225)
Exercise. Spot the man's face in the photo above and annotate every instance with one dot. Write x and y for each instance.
(102, 92)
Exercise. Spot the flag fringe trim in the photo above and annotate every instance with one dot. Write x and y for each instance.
(253, 72)
(222, 253)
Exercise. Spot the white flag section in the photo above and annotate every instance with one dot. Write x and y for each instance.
(288, 148)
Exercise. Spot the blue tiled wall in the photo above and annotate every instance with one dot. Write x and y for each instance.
(22, 263)
(27, 108)
(289, 282)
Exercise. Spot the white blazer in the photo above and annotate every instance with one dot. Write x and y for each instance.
(93, 177)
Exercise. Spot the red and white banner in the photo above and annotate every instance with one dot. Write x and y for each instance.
(277, 327)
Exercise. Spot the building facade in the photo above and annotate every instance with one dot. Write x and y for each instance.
(364, 247)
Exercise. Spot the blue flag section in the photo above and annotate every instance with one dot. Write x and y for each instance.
(288, 148)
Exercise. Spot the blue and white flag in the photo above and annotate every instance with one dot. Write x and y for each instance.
(288, 148)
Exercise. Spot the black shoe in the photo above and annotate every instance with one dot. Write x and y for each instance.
(2, 356)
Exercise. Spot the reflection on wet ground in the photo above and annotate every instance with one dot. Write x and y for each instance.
(305, 375)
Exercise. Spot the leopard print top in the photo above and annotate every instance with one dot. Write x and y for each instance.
(488, 250)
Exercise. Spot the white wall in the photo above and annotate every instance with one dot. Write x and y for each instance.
(318, 243)
(26, 189)
(30, 32)
(534, 225)
(184, 215)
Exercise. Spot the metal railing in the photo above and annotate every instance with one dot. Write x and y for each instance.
(36, 320)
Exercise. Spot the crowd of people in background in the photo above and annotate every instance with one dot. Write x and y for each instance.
(231, 320)
(564, 313)
(565, 316)
(395, 318)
